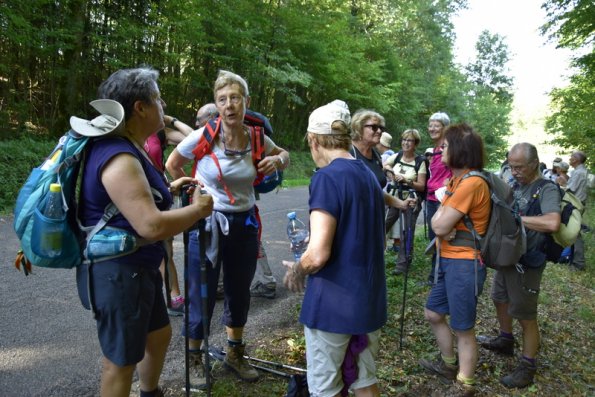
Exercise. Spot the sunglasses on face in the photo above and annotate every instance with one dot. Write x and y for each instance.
(376, 127)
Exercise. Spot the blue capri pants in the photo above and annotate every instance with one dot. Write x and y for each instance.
(237, 256)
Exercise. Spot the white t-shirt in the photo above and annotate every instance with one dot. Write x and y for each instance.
(238, 173)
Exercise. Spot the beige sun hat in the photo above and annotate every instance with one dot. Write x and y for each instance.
(111, 119)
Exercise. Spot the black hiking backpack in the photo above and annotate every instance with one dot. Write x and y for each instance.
(504, 242)
(419, 160)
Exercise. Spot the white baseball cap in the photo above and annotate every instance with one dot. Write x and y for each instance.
(322, 118)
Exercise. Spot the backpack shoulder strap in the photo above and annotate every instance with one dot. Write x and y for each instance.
(376, 156)
(257, 143)
(419, 159)
(534, 207)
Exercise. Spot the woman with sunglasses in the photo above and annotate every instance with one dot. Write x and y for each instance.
(367, 127)
(227, 174)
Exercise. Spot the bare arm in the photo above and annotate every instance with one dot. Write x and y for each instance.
(135, 201)
(175, 164)
(546, 223)
(445, 219)
(174, 136)
(323, 227)
(278, 159)
(184, 128)
(393, 201)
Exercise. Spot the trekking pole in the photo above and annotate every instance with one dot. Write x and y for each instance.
(204, 301)
(220, 353)
(185, 202)
(408, 256)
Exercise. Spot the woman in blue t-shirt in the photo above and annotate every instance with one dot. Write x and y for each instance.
(132, 321)
(345, 302)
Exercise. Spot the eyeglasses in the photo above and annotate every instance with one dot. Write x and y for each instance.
(376, 127)
(517, 168)
(444, 146)
(233, 99)
(408, 140)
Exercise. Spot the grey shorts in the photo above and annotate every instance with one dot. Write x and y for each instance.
(520, 289)
(325, 352)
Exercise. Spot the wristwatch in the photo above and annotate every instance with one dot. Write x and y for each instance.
(173, 122)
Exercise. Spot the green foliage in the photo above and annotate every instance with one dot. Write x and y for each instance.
(17, 159)
(572, 23)
(392, 56)
(572, 119)
(490, 86)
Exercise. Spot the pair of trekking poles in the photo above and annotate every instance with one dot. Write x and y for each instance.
(407, 221)
(185, 198)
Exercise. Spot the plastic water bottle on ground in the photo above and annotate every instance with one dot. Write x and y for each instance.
(297, 234)
(51, 236)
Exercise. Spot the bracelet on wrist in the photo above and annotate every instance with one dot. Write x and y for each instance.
(281, 160)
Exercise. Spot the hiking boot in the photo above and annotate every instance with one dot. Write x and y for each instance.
(268, 291)
(234, 360)
(522, 376)
(198, 377)
(445, 372)
(499, 344)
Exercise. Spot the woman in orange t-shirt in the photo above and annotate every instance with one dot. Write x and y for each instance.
(460, 275)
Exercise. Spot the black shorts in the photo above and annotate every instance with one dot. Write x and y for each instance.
(129, 304)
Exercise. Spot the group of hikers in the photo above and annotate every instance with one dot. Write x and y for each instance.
(356, 197)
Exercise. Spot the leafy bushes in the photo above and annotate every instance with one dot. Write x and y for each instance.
(17, 158)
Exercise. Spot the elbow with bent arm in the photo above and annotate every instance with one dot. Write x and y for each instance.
(553, 225)
(175, 164)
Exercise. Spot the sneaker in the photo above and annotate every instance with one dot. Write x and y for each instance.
(198, 377)
(522, 376)
(499, 344)
(234, 360)
(446, 372)
(268, 291)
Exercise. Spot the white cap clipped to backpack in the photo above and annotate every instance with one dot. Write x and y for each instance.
(111, 119)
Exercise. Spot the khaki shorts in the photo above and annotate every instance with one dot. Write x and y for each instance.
(520, 289)
(325, 352)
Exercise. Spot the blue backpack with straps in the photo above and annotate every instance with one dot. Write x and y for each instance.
(61, 167)
(78, 243)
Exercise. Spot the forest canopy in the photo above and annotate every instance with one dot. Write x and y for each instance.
(394, 56)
